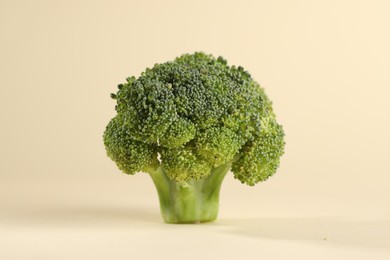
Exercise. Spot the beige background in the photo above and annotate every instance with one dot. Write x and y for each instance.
(325, 64)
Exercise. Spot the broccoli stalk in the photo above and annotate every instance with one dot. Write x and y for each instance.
(187, 123)
(191, 201)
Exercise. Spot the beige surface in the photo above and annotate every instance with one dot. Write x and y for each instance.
(325, 64)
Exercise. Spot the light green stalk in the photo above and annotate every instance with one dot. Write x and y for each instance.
(192, 201)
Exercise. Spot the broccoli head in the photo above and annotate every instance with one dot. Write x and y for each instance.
(188, 122)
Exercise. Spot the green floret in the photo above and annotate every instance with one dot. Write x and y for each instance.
(130, 155)
(187, 122)
(259, 159)
(178, 133)
(148, 104)
(182, 164)
(217, 145)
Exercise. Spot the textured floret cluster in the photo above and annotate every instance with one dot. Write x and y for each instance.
(191, 115)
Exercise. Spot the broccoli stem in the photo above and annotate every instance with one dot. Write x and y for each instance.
(192, 201)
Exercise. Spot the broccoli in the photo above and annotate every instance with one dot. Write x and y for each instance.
(188, 122)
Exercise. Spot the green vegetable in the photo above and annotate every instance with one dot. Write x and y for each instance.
(187, 123)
